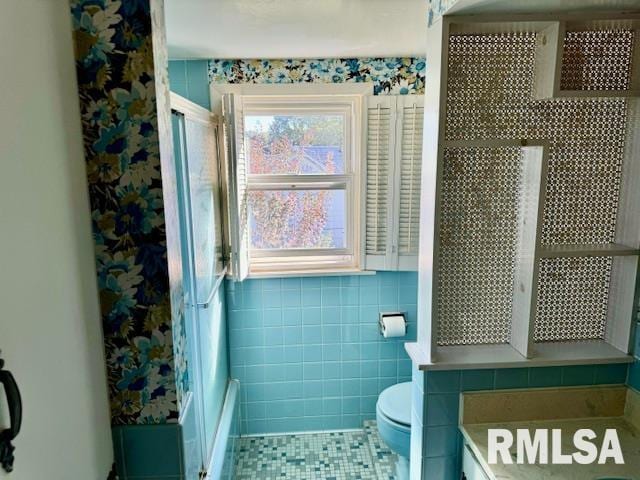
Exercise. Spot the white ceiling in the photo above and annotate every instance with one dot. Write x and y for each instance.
(295, 28)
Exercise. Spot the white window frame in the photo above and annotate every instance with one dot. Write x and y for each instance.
(348, 100)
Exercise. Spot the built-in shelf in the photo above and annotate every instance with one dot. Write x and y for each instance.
(465, 357)
(585, 193)
(604, 250)
(552, 55)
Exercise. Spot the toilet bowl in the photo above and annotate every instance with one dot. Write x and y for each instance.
(393, 415)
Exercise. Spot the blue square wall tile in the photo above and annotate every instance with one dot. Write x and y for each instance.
(442, 468)
(350, 296)
(442, 409)
(293, 354)
(368, 295)
(292, 317)
(252, 298)
(512, 378)
(312, 353)
(483, 379)
(311, 282)
(311, 297)
(350, 281)
(151, 450)
(273, 354)
(545, 377)
(291, 298)
(331, 353)
(311, 316)
(332, 388)
(443, 381)
(273, 336)
(291, 284)
(441, 441)
(272, 317)
(350, 315)
(633, 378)
(611, 374)
(330, 282)
(331, 297)
(578, 375)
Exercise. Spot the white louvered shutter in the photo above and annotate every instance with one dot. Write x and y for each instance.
(410, 122)
(237, 202)
(380, 140)
(394, 161)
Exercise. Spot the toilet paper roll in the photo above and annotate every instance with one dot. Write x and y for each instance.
(393, 326)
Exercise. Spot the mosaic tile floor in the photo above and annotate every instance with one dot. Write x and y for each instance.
(359, 455)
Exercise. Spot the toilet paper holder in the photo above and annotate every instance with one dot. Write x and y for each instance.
(383, 315)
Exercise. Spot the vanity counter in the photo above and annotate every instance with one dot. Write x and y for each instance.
(567, 409)
(476, 439)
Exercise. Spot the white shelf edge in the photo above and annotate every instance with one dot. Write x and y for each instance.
(596, 94)
(603, 250)
(467, 357)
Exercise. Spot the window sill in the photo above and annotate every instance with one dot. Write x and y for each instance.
(309, 273)
(466, 357)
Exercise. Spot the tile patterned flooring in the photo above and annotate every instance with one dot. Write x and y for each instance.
(358, 455)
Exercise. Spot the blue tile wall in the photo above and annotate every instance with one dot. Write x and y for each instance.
(308, 353)
(436, 398)
(190, 79)
(149, 451)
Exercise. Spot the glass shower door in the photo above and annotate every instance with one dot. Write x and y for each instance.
(207, 271)
(197, 175)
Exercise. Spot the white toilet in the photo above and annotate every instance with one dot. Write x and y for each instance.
(393, 415)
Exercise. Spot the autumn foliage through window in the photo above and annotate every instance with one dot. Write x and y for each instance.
(306, 215)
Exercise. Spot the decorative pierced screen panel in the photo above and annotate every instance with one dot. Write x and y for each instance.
(597, 60)
(478, 236)
(379, 133)
(583, 190)
(489, 85)
(572, 298)
(489, 97)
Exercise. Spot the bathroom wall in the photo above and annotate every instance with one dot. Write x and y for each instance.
(121, 67)
(50, 335)
(308, 353)
(190, 79)
(307, 350)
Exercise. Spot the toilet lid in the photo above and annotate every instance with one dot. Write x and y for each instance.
(395, 403)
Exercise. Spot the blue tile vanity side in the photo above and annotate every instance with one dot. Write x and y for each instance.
(308, 352)
(436, 413)
(190, 79)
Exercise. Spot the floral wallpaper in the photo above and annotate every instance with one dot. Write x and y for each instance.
(389, 75)
(115, 69)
